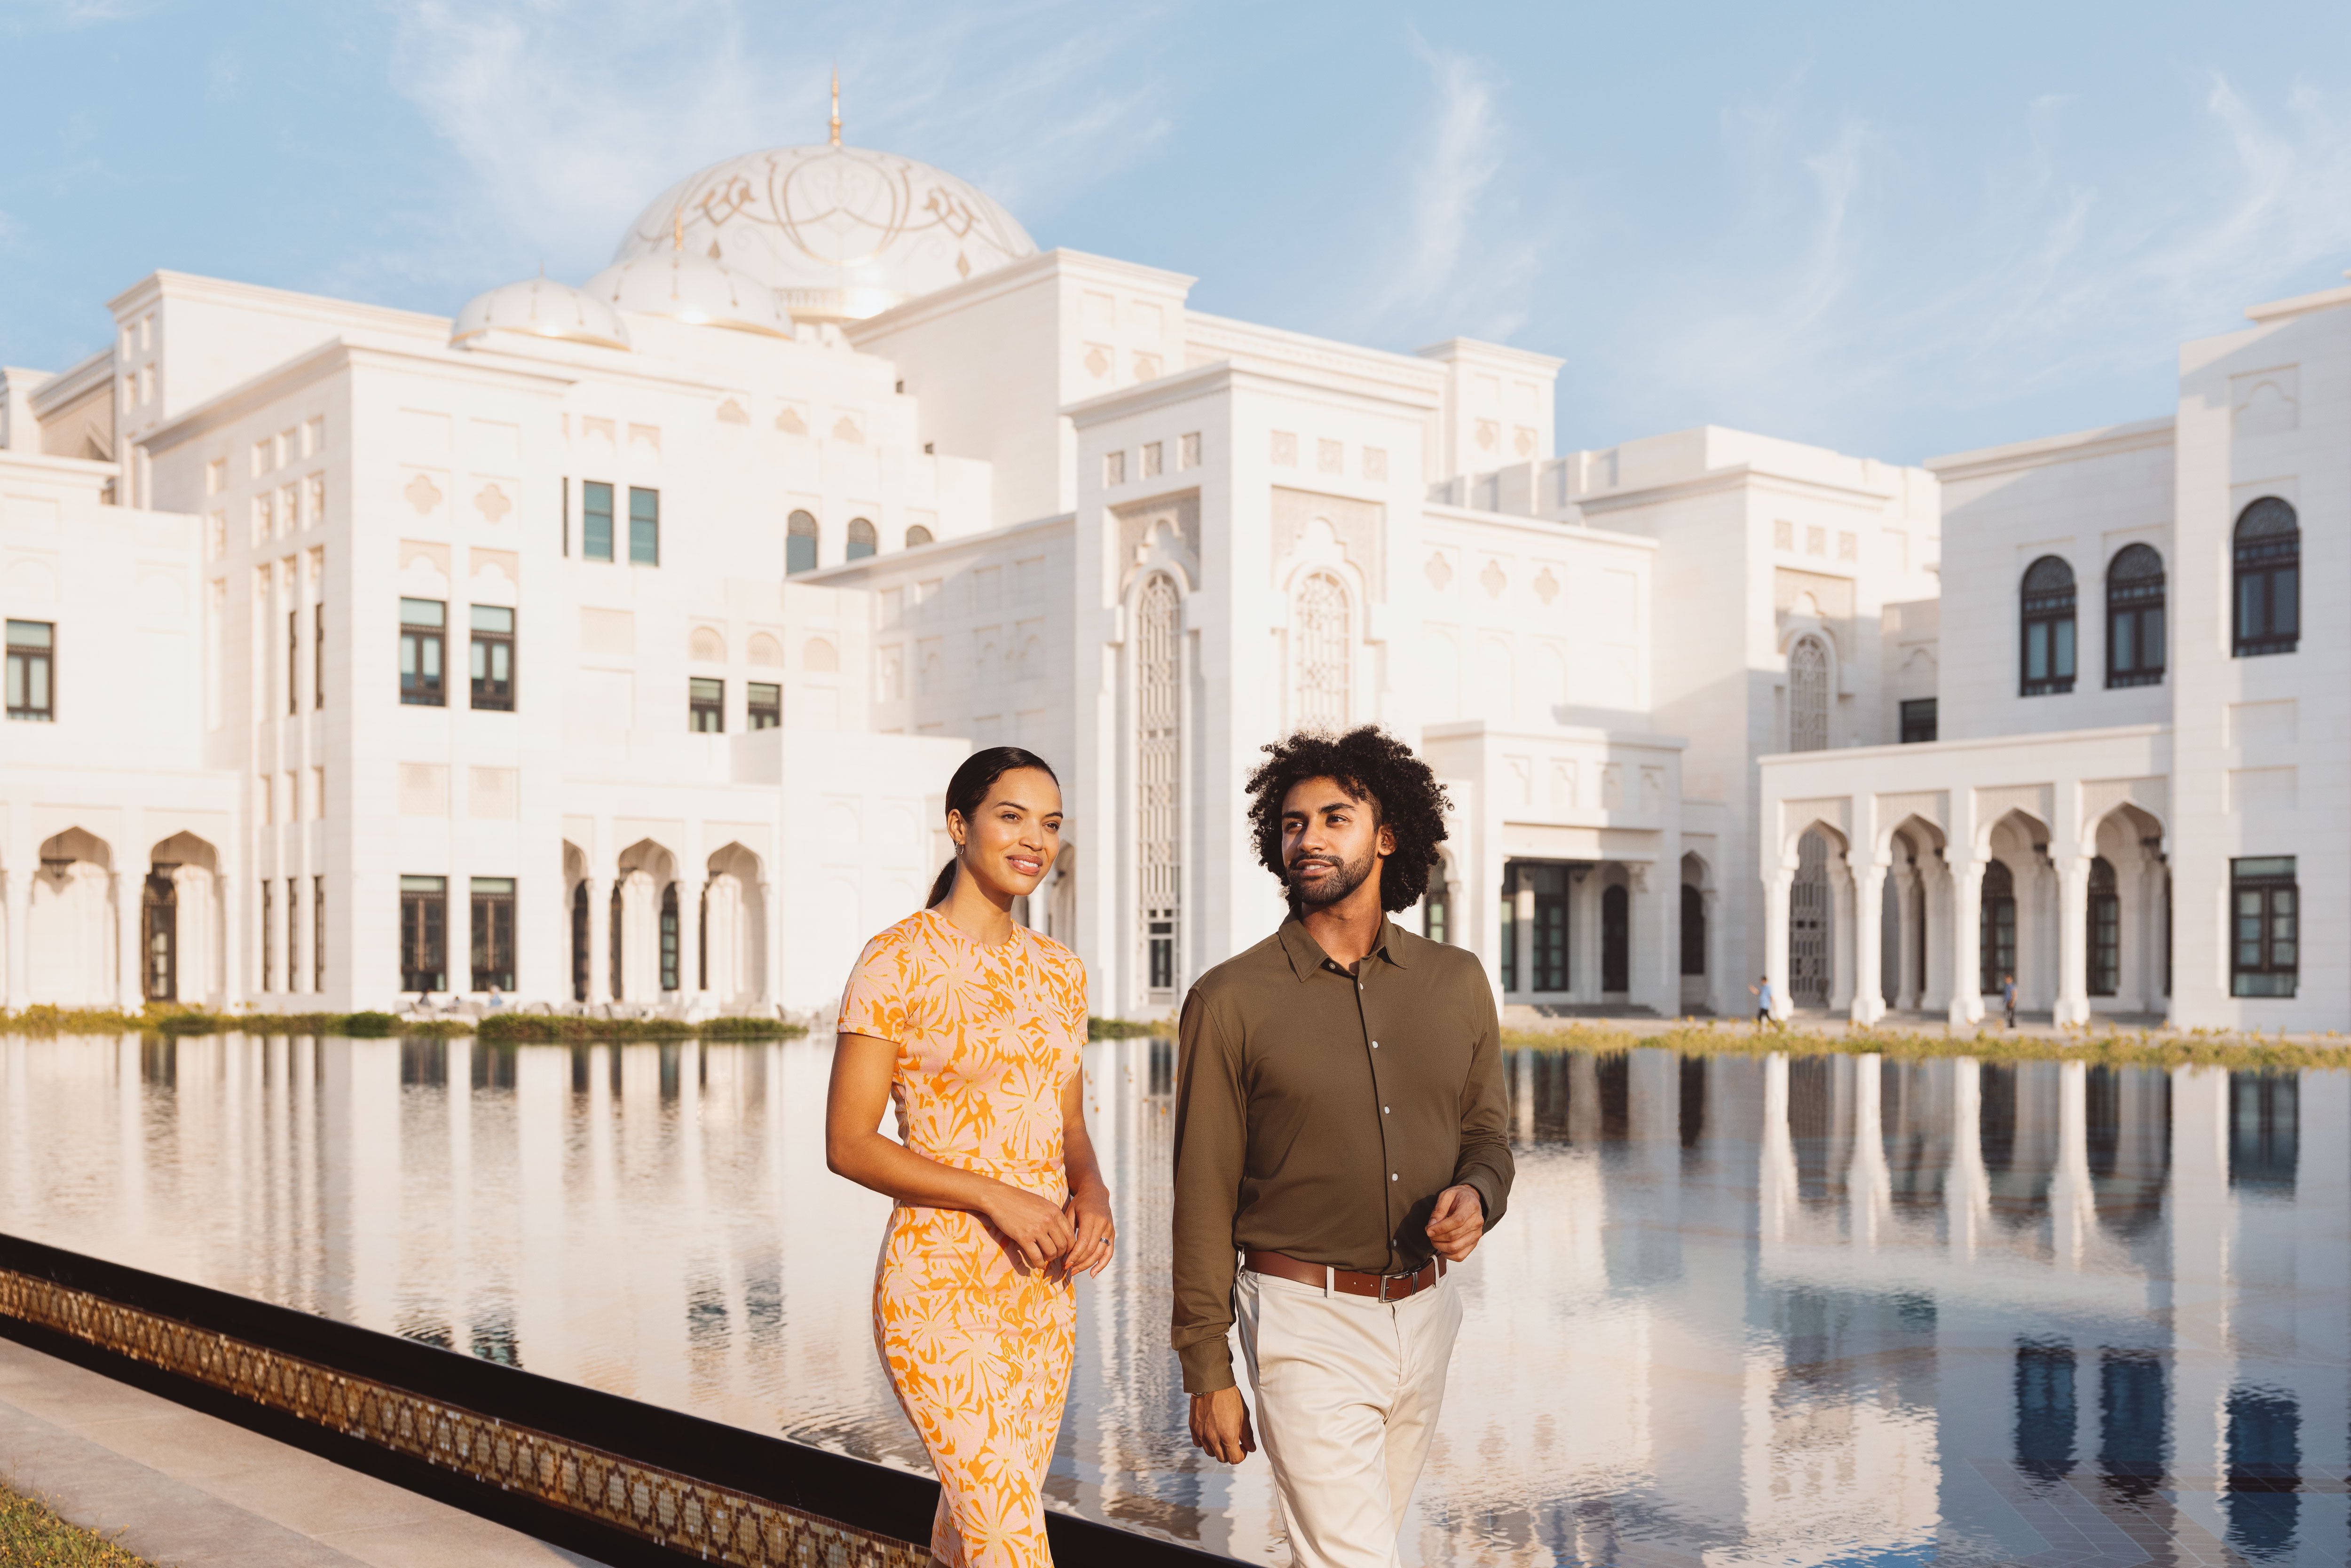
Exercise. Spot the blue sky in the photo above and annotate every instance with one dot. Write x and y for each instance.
(1895, 230)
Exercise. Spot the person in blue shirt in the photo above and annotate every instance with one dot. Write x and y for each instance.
(1762, 991)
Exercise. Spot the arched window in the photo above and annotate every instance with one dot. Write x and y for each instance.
(1996, 929)
(2047, 602)
(669, 953)
(1616, 938)
(799, 543)
(2135, 618)
(862, 539)
(579, 941)
(1808, 695)
(2269, 579)
(2105, 944)
(1158, 712)
(917, 535)
(1808, 931)
(1693, 930)
(1324, 654)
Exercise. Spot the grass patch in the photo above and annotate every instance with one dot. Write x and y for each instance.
(2109, 1049)
(1127, 1028)
(560, 1029)
(33, 1535)
(523, 1028)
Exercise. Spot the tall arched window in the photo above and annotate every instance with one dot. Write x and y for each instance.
(669, 953)
(1996, 929)
(1809, 933)
(2269, 579)
(917, 535)
(1616, 938)
(1322, 654)
(2047, 602)
(1808, 695)
(862, 541)
(1158, 711)
(1693, 930)
(2135, 618)
(799, 543)
(2106, 917)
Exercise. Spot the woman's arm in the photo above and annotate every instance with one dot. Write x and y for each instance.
(1089, 1205)
(854, 1147)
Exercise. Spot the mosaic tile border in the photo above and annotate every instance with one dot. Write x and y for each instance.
(662, 1507)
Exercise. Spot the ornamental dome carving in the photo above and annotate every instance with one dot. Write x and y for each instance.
(684, 287)
(540, 308)
(839, 233)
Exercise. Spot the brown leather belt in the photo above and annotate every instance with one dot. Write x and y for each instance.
(1346, 1281)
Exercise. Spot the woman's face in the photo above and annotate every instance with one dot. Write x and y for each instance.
(1008, 845)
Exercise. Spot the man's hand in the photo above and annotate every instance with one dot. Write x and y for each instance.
(1456, 1223)
(1220, 1425)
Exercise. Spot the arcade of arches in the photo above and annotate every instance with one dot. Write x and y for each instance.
(2090, 933)
(87, 926)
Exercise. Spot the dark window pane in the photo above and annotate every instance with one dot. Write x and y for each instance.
(596, 520)
(645, 526)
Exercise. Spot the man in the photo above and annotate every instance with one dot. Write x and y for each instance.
(1341, 1125)
(1762, 991)
(2008, 998)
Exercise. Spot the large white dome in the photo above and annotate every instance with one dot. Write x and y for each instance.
(692, 288)
(839, 233)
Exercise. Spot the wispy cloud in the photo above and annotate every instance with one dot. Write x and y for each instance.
(569, 119)
(1461, 262)
(1854, 287)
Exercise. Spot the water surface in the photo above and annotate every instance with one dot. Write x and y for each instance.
(1742, 1309)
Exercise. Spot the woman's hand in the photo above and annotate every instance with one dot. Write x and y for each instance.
(1035, 1226)
(1089, 1213)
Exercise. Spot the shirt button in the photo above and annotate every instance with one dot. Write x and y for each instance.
(1383, 1109)
(1375, 1045)
(1392, 1177)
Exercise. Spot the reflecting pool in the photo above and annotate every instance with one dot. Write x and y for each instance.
(1744, 1310)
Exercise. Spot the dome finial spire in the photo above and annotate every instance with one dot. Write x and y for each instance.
(836, 106)
(677, 228)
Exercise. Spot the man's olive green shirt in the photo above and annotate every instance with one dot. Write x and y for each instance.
(1319, 1113)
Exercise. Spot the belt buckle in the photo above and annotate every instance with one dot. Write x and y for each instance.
(1407, 1279)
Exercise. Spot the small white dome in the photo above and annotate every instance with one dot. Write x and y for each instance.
(540, 308)
(691, 288)
(839, 233)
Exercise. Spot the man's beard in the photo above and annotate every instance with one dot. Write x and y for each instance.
(1337, 882)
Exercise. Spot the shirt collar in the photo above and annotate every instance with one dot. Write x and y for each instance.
(1307, 957)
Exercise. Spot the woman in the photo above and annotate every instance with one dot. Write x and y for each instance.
(974, 1026)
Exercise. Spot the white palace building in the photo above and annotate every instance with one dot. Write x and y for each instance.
(612, 644)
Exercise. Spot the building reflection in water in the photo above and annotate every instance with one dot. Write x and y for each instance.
(1744, 1310)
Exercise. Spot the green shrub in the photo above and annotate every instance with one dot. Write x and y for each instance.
(534, 1028)
(1127, 1028)
(367, 1026)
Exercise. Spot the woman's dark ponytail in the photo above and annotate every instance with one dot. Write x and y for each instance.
(968, 791)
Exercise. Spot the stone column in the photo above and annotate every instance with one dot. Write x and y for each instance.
(1867, 946)
(770, 949)
(1935, 956)
(1844, 929)
(1723, 988)
(19, 880)
(599, 940)
(1910, 907)
(1653, 978)
(689, 944)
(1776, 888)
(2073, 948)
(1967, 908)
(130, 942)
(1522, 904)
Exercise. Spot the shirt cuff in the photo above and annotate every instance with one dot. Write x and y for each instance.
(1208, 1365)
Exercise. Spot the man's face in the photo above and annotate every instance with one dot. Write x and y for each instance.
(1331, 844)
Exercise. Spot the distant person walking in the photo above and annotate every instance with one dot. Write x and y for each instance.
(974, 1026)
(2008, 998)
(1341, 1135)
(1762, 991)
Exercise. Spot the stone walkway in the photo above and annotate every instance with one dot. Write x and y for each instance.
(187, 1490)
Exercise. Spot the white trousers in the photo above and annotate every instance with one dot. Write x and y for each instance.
(1347, 1395)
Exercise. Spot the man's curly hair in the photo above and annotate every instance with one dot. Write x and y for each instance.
(1371, 765)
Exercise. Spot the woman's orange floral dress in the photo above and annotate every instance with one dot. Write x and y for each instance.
(977, 1346)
